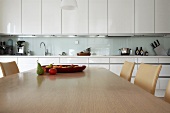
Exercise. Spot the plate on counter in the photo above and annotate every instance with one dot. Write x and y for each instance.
(66, 68)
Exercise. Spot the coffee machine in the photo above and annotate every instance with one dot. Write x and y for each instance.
(20, 48)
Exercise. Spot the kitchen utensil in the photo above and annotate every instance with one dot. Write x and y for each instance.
(152, 45)
(158, 42)
(125, 51)
(155, 44)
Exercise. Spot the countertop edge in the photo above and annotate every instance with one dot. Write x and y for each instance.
(85, 56)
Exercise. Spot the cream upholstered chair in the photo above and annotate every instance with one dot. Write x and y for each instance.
(127, 70)
(146, 77)
(9, 68)
(167, 93)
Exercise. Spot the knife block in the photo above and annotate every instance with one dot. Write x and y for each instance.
(160, 51)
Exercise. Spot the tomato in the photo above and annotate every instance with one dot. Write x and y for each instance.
(52, 71)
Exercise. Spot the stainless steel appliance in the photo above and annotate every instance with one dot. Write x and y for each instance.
(125, 51)
(20, 48)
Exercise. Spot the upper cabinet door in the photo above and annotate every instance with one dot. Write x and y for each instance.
(76, 21)
(162, 16)
(31, 16)
(51, 17)
(10, 20)
(120, 17)
(144, 16)
(97, 16)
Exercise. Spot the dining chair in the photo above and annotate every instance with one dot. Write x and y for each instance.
(127, 70)
(146, 77)
(167, 93)
(9, 68)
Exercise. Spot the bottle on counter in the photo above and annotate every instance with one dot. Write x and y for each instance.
(146, 53)
(141, 51)
(137, 51)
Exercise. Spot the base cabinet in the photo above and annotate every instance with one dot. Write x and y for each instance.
(25, 64)
(48, 61)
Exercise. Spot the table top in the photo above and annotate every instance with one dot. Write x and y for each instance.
(95, 90)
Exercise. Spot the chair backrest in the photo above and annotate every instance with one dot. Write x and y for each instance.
(167, 93)
(127, 70)
(146, 77)
(9, 68)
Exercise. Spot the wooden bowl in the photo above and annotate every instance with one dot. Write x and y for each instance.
(83, 54)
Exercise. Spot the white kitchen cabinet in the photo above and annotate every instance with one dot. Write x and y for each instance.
(120, 17)
(144, 16)
(51, 17)
(98, 17)
(10, 20)
(122, 60)
(31, 17)
(163, 82)
(162, 16)
(47, 61)
(76, 21)
(165, 71)
(73, 60)
(106, 66)
(99, 60)
(8, 59)
(164, 60)
(147, 60)
(25, 64)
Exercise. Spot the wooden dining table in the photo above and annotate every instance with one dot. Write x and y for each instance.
(95, 90)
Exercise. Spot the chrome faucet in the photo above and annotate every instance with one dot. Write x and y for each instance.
(46, 50)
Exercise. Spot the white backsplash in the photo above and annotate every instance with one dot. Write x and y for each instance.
(99, 46)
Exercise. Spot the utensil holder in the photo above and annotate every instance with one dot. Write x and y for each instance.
(160, 51)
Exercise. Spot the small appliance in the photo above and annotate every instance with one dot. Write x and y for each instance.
(20, 48)
(6, 49)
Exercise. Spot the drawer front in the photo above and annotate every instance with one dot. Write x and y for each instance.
(73, 60)
(25, 64)
(147, 60)
(27, 60)
(98, 60)
(26, 67)
(100, 65)
(164, 60)
(122, 60)
(8, 59)
(163, 82)
(47, 61)
(165, 71)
